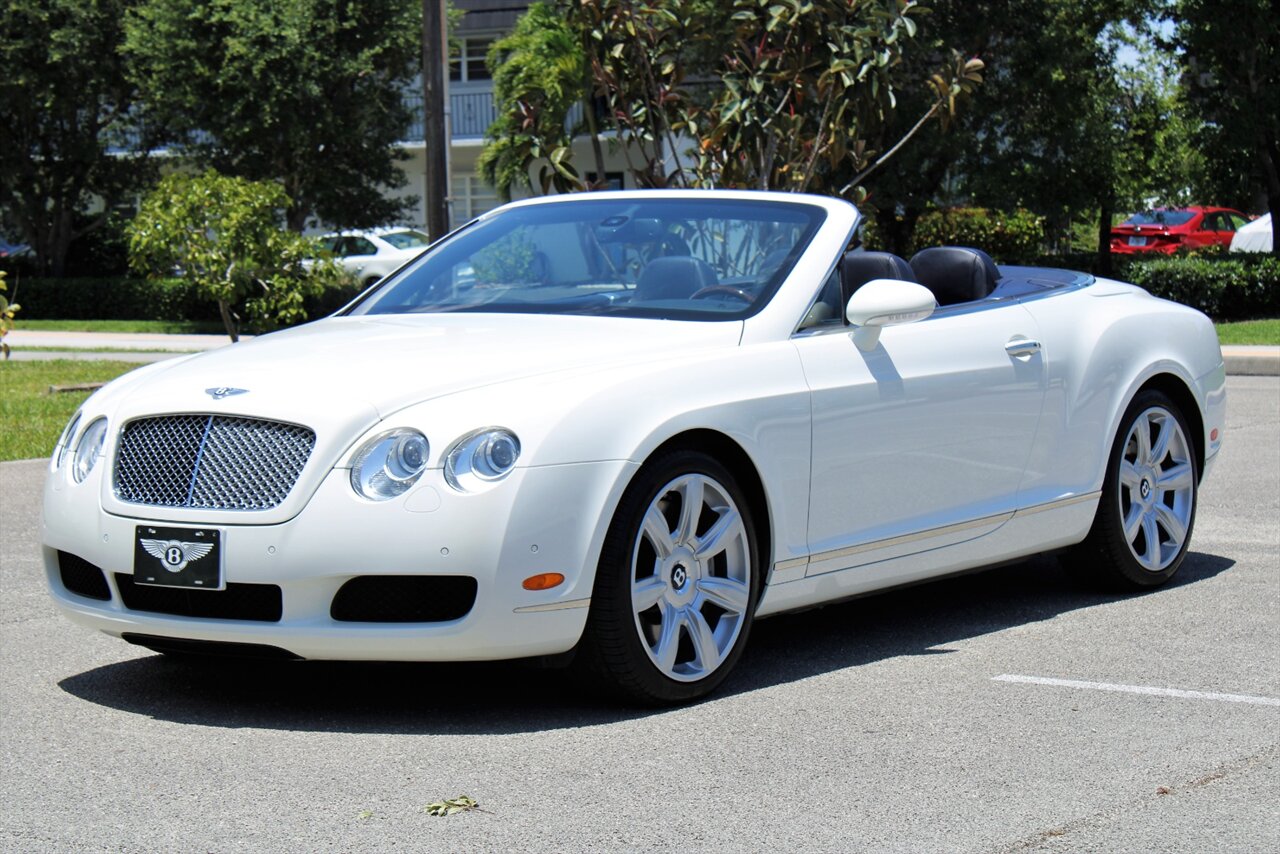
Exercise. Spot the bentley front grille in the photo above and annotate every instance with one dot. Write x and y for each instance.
(210, 462)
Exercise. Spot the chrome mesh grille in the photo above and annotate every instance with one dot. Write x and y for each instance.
(210, 462)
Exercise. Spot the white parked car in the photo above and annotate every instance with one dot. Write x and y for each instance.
(370, 255)
(625, 425)
(1254, 237)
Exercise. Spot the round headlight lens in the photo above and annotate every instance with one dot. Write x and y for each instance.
(63, 447)
(89, 449)
(481, 458)
(387, 465)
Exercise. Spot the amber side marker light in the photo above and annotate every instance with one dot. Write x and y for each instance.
(542, 581)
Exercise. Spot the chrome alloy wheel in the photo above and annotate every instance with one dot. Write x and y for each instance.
(1157, 488)
(691, 577)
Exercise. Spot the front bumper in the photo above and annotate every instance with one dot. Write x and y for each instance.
(546, 519)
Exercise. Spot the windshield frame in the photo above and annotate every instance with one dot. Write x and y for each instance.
(795, 210)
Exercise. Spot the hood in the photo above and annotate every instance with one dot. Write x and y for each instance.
(381, 364)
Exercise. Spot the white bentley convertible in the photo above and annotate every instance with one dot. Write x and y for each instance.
(625, 425)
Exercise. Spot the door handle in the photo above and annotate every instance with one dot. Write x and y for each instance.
(1022, 347)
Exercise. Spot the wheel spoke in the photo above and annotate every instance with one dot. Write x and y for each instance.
(1142, 431)
(647, 592)
(690, 510)
(720, 535)
(1133, 522)
(726, 593)
(1151, 558)
(704, 641)
(1161, 447)
(669, 638)
(1129, 475)
(1178, 477)
(658, 532)
(1171, 523)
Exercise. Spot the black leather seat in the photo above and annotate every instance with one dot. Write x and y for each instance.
(674, 277)
(956, 273)
(858, 268)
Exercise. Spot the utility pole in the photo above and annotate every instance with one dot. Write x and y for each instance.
(435, 117)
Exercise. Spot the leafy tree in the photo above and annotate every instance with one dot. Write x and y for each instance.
(66, 130)
(7, 311)
(805, 81)
(306, 92)
(695, 93)
(1231, 56)
(539, 75)
(223, 234)
(1045, 132)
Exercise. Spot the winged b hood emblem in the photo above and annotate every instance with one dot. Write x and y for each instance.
(224, 391)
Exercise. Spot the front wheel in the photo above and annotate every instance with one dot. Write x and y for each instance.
(1147, 510)
(677, 582)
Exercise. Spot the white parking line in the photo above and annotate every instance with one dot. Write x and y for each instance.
(1139, 689)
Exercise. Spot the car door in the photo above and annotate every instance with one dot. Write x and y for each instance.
(358, 257)
(922, 441)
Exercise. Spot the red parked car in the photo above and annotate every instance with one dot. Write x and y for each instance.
(1166, 230)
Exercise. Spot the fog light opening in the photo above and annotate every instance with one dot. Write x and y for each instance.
(542, 581)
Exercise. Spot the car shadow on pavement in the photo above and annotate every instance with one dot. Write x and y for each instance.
(515, 697)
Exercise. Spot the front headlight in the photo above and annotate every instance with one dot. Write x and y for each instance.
(89, 449)
(63, 447)
(388, 464)
(480, 458)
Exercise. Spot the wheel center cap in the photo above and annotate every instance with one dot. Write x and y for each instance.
(1145, 489)
(679, 576)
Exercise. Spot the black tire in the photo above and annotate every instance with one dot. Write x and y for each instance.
(1109, 554)
(622, 643)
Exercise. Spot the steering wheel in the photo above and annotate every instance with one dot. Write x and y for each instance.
(723, 291)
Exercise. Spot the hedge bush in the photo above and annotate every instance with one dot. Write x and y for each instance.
(128, 298)
(1223, 287)
(1005, 236)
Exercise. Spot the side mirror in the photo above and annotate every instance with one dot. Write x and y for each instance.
(886, 302)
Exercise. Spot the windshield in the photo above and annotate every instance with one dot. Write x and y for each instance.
(1160, 218)
(407, 239)
(679, 258)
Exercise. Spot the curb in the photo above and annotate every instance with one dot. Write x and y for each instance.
(1252, 361)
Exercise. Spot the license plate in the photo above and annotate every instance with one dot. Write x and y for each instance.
(178, 557)
(1137, 241)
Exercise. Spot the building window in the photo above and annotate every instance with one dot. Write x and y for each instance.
(612, 180)
(471, 197)
(467, 65)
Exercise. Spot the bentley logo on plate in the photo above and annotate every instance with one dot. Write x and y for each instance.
(176, 555)
(224, 391)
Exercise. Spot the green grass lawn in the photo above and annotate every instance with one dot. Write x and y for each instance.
(166, 327)
(30, 416)
(1250, 332)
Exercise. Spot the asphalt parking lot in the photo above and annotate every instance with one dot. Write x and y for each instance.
(998, 712)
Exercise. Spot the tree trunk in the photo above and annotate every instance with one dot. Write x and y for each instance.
(589, 111)
(1269, 157)
(1103, 266)
(228, 321)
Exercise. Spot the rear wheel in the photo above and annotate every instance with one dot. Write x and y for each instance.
(1147, 510)
(677, 582)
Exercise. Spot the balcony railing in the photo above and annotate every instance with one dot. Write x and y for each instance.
(471, 114)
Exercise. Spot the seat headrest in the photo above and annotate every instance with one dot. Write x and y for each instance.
(858, 268)
(956, 273)
(674, 277)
